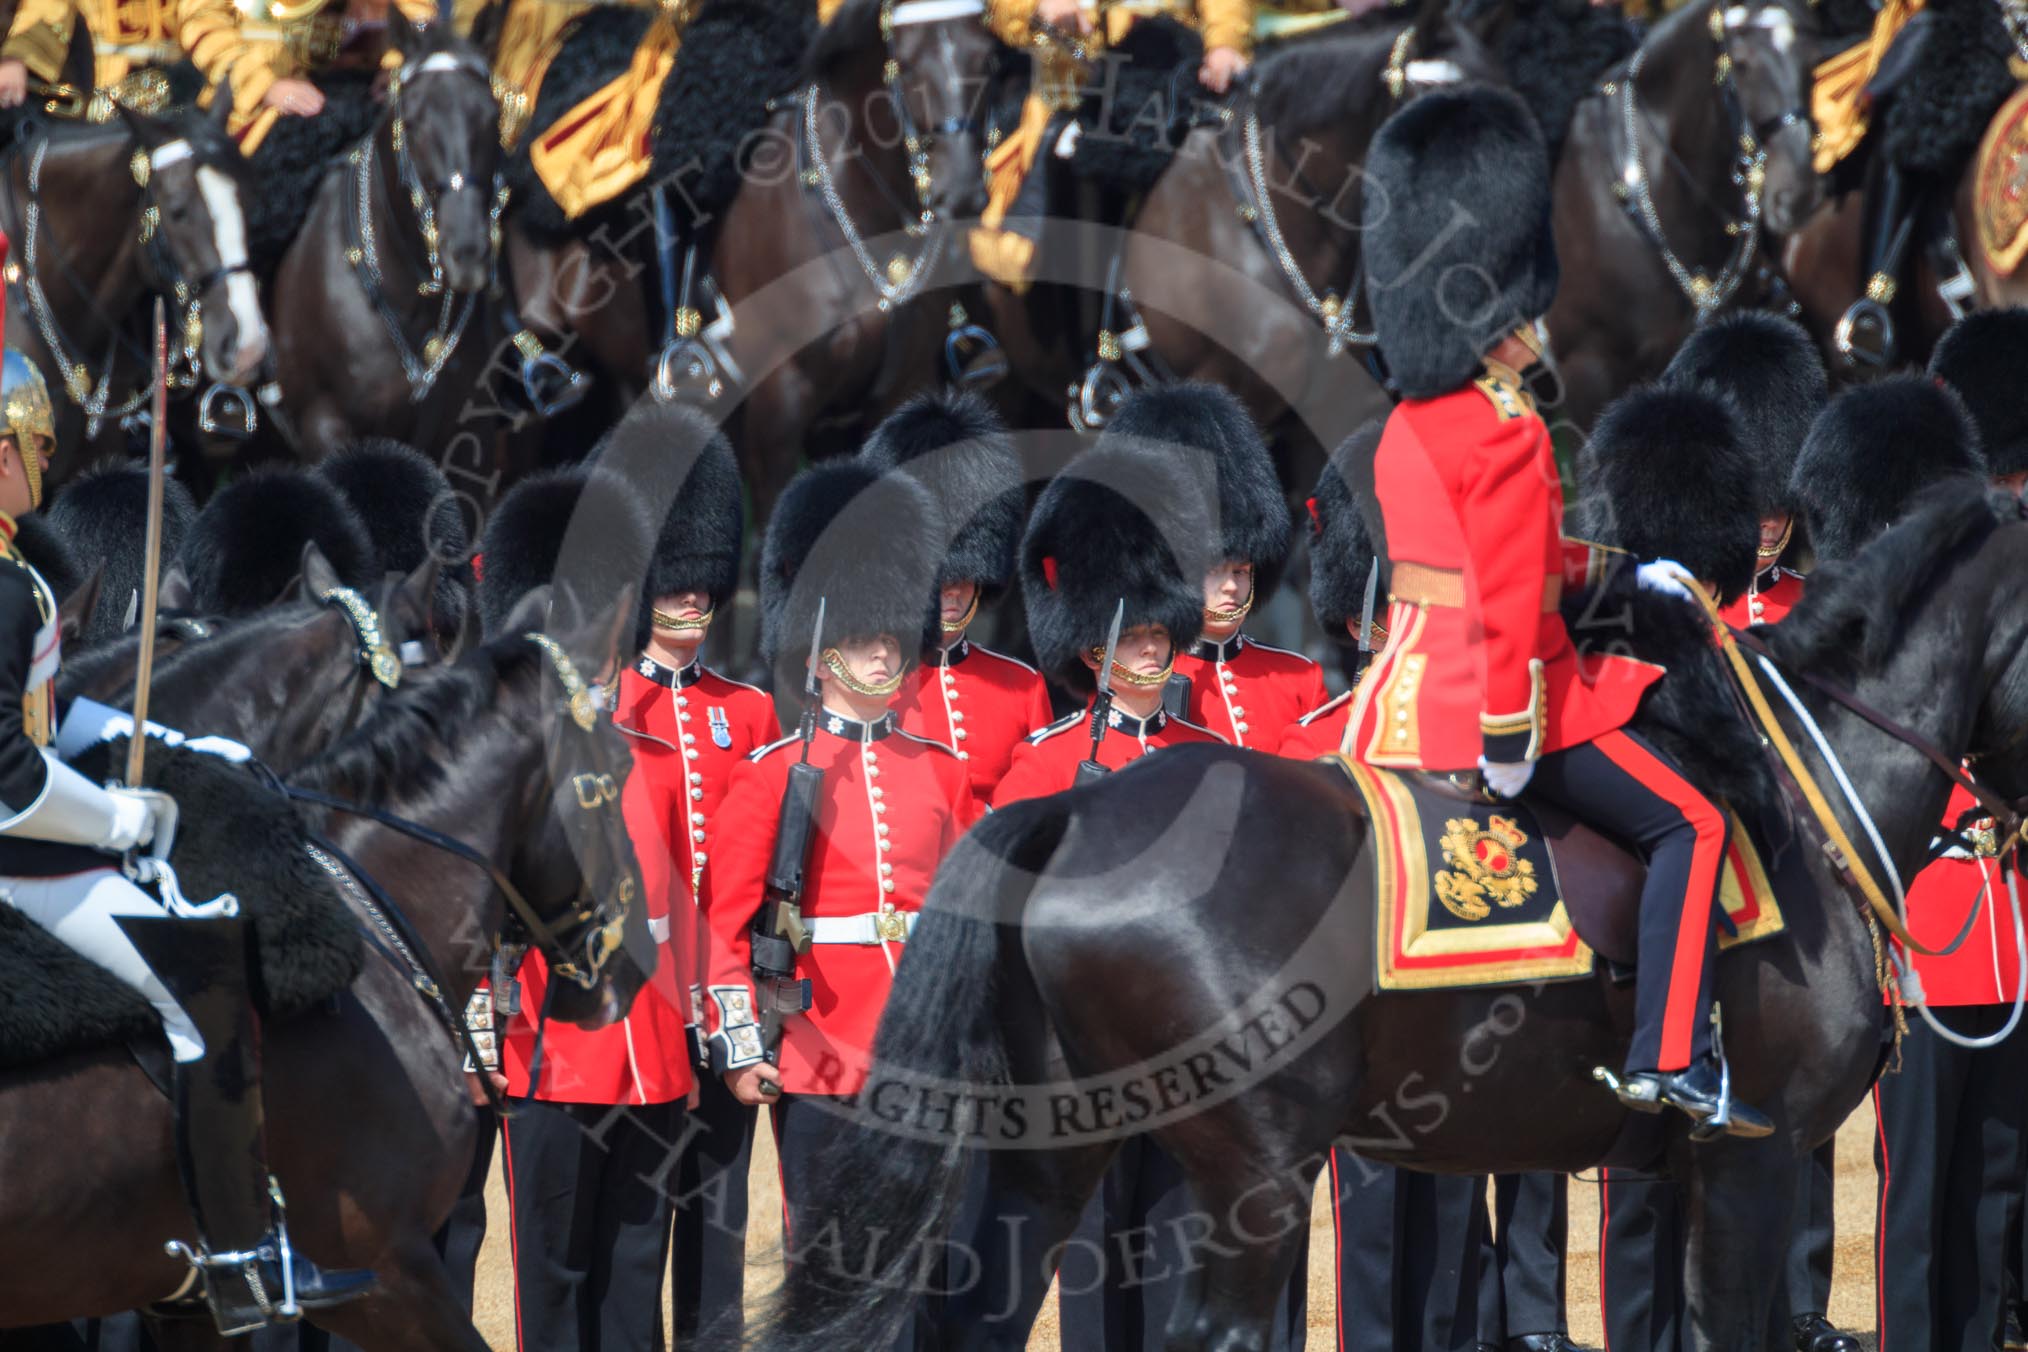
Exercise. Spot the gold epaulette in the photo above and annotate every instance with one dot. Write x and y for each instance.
(1503, 389)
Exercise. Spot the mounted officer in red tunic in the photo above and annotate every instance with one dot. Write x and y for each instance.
(977, 702)
(1479, 670)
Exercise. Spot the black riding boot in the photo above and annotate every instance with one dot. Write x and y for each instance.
(251, 1277)
(1865, 332)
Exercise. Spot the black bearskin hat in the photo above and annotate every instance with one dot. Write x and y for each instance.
(1984, 357)
(247, 543)
(1444, 294)
(1119, 523)
(1196, 418)
(1664, 476)
(411, 513)
(1343, 551)
(581, 529)
(1871, 450)
(957, 446)
(50, 554)
(865, 543)
(103, 515)
(684, 467)
(1770, 374)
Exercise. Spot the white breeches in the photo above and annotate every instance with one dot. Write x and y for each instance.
(80, 910)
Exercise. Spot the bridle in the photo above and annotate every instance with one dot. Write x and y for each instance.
(1706, 292)
(421, 366)
(896, 281)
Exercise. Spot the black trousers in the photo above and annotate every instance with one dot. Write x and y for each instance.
(1806, 1277)
(1531, 1225)
(1137, 1221)
(588, 1191)
(1950, 1155)
(1621, 783)
(804, 1124)
(708, 1258)
(1410, 1252)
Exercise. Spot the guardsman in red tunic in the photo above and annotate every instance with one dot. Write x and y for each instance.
(802, 958)
(598, 1117)
(1655, 468)
(1479, 671)
(689, 726)
(975, 701)
(1953, 1125)
(1244, 691)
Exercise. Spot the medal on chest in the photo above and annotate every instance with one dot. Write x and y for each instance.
(721, 729)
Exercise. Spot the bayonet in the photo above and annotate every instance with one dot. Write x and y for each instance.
(1102, 701)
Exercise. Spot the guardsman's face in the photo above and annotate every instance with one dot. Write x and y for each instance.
(1773, 530)
(688, 605)
(873, 660)
(1145, 649)
(16, 498)
(954, 601)
(2012, 483)
(1227, 587)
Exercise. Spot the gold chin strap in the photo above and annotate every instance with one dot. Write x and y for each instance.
(1769, 553)
(964, 621)
(1531, 338)
(1135, 678)
(1237, 613)
(836, 663)
(676, 624)
(31, 470)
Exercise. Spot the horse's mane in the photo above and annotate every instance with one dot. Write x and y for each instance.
(407, 744)
(1854, 611)
(853, 31)
(1306, 85)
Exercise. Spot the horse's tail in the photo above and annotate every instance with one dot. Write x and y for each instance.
(884, 1200)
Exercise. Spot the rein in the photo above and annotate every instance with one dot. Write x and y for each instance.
(1633, 187)
(420, 366)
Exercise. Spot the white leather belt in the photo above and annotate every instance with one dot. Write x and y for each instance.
(872, 928)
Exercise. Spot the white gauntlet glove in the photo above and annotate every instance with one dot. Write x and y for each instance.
(1666, 576)
(1506, 778)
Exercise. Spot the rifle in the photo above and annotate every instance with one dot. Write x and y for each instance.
(1089, 769)
(778, 936)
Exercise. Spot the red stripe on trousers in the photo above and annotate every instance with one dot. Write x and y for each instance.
(513, 1240)
(1880, 1223)
(1338, 1244)
(1605, 1230)
(1693, 933)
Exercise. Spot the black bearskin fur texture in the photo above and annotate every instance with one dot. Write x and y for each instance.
(1119, 523)
(1554, 53)
(1770, 374)
(102, 515)
(1665, 477)
(598, 47)
(1196, 419)
(1871, 451)
(237, 836)
(956, 446)
(1937, 111)
(38, 540)
(1476, 148)
(289, 165)
(411, 514)
(1984, 357)
(676, 454)
(864, 543)
(247, 543)
(1343, 549)
(580, 529)
(1147, 109)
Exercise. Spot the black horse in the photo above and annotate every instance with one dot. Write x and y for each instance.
(1682, 174)
(1188, 950)
(100, 218)
(379, 303)
(370, 1126)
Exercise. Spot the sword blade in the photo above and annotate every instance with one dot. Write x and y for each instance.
(1105, 671)
(151, 577)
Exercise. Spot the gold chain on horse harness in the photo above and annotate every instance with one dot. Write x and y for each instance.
(1333, 311)
(1749, 173)
(441, 343)
(95, 398)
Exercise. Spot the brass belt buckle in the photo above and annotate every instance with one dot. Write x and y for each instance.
(891, 925)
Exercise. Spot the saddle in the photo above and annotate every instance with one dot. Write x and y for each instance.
(238, 836)
(2000, 187)
(1473, 892)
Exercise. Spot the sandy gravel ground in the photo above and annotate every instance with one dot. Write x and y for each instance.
(1851, 1293)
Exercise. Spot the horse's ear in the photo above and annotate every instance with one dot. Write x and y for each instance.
(409, 36)
(486, 29)
(594, 638)
(530, 613)
(76, 610)
(318, 576)
(174, 592)
(221, 105)
(409, 609)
